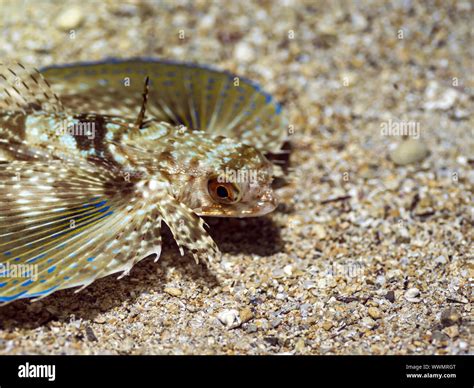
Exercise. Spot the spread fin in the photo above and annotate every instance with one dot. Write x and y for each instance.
(24, 89)
(68, 224)
(188, 230)
(181, 94)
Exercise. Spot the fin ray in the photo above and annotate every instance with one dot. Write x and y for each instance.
(195, 96)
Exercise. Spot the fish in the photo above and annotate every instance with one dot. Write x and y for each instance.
(95, 157)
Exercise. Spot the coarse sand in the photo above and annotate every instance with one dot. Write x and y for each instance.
(370, 250)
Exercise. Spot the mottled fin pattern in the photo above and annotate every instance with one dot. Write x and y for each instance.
(24, 90)
(66, 224)
(188, 231)
(195, 96)
(21, 150)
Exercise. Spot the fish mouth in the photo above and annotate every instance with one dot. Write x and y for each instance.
(262, 207)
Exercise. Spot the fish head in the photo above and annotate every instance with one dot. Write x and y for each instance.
(233, 180)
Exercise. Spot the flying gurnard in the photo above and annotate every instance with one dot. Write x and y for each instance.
(94, 157)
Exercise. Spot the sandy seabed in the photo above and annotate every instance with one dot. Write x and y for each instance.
(370, 251)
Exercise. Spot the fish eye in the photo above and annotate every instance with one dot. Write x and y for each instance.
(223, 192)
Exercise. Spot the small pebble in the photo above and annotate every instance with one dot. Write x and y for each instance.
(390, 296)
(320, 231)
(463, 345)
(207, 22)
(368, 322)
(173, 291)
(359, 22)
(70, 18)
(230, 318)
(251, 328)
(244, 52)
(412, 295)
(374, 312)
(90, 334)
(327, 325)
(308, 284)
(100, 319)
(288, 270)
(439, 338)
(281, 296)
(441, 260)
(275, 323)
(409, 151)
(450, 317)
(451, 331)
(246, 314)
(273, 341)
(300, 346)
(439, 98)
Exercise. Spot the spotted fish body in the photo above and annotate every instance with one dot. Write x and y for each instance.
(97, 156)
